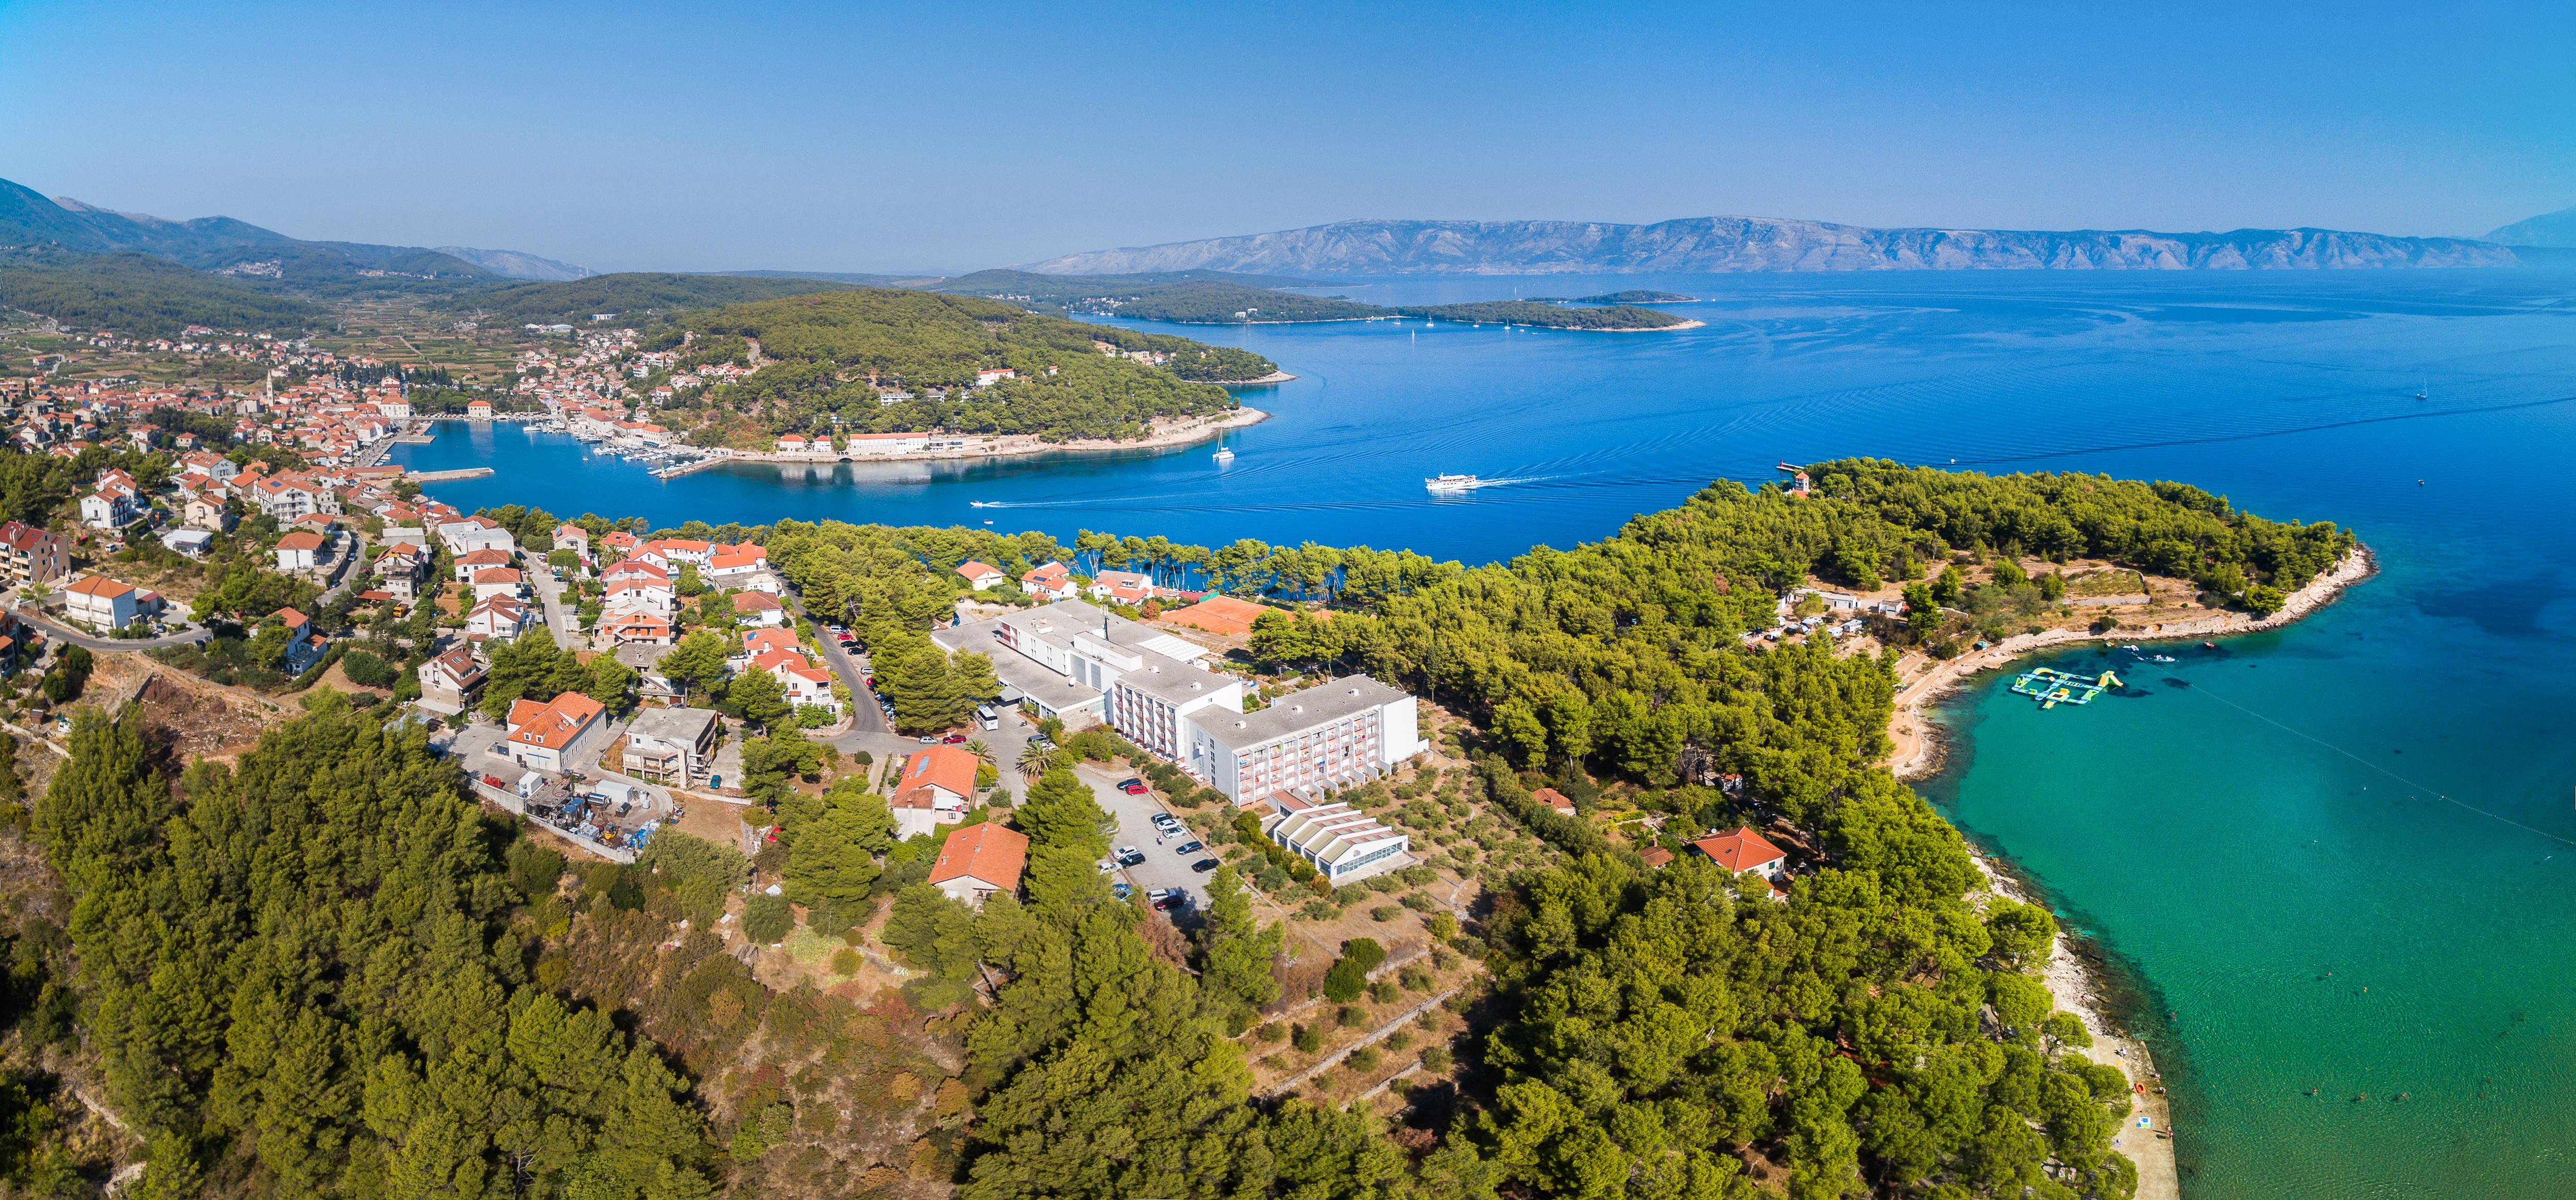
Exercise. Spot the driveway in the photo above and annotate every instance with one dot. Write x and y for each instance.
(1134, 815)
(345, 571)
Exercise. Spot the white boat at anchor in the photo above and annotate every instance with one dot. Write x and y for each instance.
(1224, 455)
(1446, 484)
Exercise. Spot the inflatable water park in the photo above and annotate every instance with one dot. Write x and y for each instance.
(2052, 687)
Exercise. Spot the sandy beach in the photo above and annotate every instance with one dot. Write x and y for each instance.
(2067, 977)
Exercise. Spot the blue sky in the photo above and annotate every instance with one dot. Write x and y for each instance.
(709, 137)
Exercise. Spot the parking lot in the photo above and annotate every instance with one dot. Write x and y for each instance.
(1135, 816)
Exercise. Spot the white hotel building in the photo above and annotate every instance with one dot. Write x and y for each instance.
(1079, 664)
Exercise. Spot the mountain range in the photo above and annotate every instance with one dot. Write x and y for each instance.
(1701, 245)
(2550, 230)
(223, 244)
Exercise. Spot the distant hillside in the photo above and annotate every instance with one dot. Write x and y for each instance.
(1223, 298)
(632, 295)
(1730, 244)
(143, 296)
(2553, 230)
(510, 264)
(835, 358)
(860, 278)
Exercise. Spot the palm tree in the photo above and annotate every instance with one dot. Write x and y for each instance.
(979, 749)
(1036, 759)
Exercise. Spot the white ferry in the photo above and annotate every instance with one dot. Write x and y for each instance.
(1439, 484)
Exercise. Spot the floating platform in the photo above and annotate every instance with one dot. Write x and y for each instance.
(2053, 687)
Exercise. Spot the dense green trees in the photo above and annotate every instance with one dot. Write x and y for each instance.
(837, 352)
(142, 296)
(301, 961)
(532, 667)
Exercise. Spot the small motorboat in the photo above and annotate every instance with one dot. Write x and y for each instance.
(1446, 484)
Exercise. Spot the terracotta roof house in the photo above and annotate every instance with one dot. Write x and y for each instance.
(1053, 581)
(1655, 856)
(298, 551)
(1743, 850)
(937, 785)
(979, 860)
(757, 608)
(541, 735)
(1554, 799)
(981, 575)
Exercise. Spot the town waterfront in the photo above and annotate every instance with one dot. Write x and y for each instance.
(2377, 798)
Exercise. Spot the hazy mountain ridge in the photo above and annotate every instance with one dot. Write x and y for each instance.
(2553, 230)
(1741, 244)
(28, 218)
(512, 264)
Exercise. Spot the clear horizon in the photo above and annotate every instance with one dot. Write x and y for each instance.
(836, 140)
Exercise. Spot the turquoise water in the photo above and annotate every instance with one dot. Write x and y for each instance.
(2230, 842)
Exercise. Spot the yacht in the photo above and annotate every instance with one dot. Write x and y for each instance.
(1452, 483)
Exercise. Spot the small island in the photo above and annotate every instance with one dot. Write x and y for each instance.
(1630, 296)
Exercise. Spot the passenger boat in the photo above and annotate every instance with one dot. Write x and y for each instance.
(1452, 483)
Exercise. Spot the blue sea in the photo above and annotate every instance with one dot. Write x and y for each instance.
(2341, 856)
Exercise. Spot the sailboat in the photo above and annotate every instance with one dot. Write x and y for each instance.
(1224, 455)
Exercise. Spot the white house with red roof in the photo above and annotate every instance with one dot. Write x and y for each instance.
(498, 617)
(497, 581)
(542, 735)
(304, 647)
(300, 550)
(102, 603)
(759, 610)
(1130, 588)
(573, 538)
(935, 788)
(1053, 581)
(449, 680)
(981, 575)
(1743, 850)
(481, 560)
(730, 566)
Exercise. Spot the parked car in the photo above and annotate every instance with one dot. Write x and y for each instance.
(954, 739)
(1204, 865)
(1107, 865)
(1129, 856)
(1167, 822)
(1133, 787)
(1189, 847)
(928, 740)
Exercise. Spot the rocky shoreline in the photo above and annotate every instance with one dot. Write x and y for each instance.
(1917, 750)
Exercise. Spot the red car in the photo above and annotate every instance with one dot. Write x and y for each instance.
(954, 739)
(1133, 787)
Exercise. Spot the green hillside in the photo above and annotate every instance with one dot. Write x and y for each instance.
(837, 351)
(141, 295)
(1219, 298)
(632, 295)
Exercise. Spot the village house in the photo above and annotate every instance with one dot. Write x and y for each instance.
(542, 735)
(298, 551)
(498, 617)
(981, 576)
(574, 538)
(102, 603)
(480, 560)
(1127, 588)
(671, 745)
(757, 609)
(1054, 581)
(207, 513)
(1743, 850)
(935, 789)
(107, 509)
(497, 581)
(978, 861)
(636, 629)
(304, 647)
(449, 680)
(29, 554)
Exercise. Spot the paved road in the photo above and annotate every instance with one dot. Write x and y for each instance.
(560, 621)
(65, 633)
(868, 729)
(1134, 814)
(343, 573)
